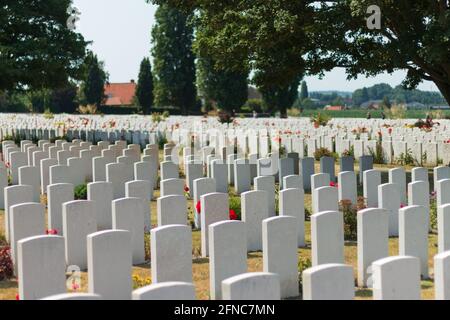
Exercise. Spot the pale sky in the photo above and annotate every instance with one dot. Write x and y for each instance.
(120, 31)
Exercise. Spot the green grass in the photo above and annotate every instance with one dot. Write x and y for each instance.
(361, 113)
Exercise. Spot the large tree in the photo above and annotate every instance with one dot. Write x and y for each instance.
(144, 88)
(174, 60)
(228, 89)
(37, 50)
(280, 98)
(317, 36)
(304, 94)
(413, 36)
(95, 77)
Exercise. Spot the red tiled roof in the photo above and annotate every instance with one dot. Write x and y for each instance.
(334, 108)
(120, 94)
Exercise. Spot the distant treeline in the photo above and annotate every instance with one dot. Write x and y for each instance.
(382, 91)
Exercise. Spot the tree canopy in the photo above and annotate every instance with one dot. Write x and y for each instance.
(291, 38)
(174, 60)
(37, 50)
(94, 80)
(144, 88)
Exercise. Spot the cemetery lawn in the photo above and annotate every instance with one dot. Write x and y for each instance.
(142, 274)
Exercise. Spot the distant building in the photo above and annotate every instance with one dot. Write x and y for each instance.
(440, 107)
(335, 108)
(415, 106)
(120, 94)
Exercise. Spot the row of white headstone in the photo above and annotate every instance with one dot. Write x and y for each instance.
(254, 199)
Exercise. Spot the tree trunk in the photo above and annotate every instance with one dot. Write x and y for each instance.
(444, 88)
(283, 112)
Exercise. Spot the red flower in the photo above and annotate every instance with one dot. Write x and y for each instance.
(186, 188)
(233, 215)
(51, 232)
(402, 205)
(379, 133)
(390, 130)
(17, 296)
(198, 207)
(75, 286)
(333, 184)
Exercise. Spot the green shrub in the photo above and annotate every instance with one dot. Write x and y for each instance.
(166, 114)
(350, 211)
(323, 152)
(81, 192)
(349, 153)
(433, 212)
(157, 117)
(303, 264)
(161, 142)
(319, 120)
(406, 158)
(377, 154)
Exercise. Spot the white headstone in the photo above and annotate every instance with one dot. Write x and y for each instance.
(171, 253)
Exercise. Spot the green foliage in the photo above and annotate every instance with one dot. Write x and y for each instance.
(350, 211)
(225, 117)
(63, 99)
(39, 100)
(433, 213)
(303, 264)
(406, 158)
(144, 88)
(323, 152)
(304, 94)
(235, 204)
(288, 37)
(253, 105)
(161, 142)
(166, 114)
(14, 102)
(228, 89)
(37, 50)
(174, 61)
(320, 119)
(350, 152)
(93, 87)
(279, 97)
(81, 192)
(377, 154)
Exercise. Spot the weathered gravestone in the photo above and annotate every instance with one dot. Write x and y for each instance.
(225, 260)
(128, 214)
(110, 264)
(171, 253)
(328, 282)
(280, 252)
(78, 218)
